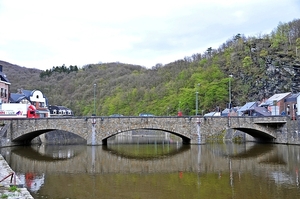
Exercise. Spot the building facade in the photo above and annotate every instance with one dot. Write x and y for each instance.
(4, 87)
(35, 98)
(291, 104)
(276, 103)
(59, 111)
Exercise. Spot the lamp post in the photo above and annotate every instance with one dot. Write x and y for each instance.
(229, 105)
(94, 100)
(197, 98)
(93, 138)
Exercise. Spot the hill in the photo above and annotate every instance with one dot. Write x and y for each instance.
(261, 66)
(20, 77)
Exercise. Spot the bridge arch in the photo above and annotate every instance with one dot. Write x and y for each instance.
(261, 128)
(70, 137)
(257, 134)
(28, 137)
(185, 139)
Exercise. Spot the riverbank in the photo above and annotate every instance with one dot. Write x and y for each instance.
(11, 187)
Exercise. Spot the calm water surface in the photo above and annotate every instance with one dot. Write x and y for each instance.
(162, 169)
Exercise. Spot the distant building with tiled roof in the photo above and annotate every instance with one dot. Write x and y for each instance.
(292, 102)
(276, 103)
(59, 111)
(34, 97)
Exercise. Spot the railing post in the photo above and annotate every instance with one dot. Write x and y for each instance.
(12, 176)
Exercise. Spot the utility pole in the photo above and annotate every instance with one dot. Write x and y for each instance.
(197, 98)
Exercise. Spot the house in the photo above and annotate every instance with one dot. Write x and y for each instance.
(291, 103)
(261, 111)
(252, 109)
(35, 98)
(276, 103)
(230, 112)
(25, 97)
(247, 109)
(60, 111)
(225, 112)
(4, 86)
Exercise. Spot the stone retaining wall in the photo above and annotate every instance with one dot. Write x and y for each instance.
(5, 184)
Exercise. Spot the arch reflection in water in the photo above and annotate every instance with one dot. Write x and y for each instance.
(49, 152)
(242, 151)
(145, 151)
(263, 153)
(145, 144)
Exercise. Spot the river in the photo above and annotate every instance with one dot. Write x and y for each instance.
(161, 167)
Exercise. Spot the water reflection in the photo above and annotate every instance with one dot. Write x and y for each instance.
(165, 145)
(48, 152)
(145, 137)
(161, 170)
(32, 181)
(143, 149)
(249, 150)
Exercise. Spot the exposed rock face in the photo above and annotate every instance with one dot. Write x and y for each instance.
(273, 71)
(283, 77)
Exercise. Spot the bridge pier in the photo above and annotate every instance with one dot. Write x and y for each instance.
(229, 134)
(91, 140)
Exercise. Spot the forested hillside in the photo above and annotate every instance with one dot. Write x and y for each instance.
(261, 66)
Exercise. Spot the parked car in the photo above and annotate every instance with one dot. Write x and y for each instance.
(146, 115)
(116, 115)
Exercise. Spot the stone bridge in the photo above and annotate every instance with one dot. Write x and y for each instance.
(192, 130)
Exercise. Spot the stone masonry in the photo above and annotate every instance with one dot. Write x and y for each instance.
(192, 130)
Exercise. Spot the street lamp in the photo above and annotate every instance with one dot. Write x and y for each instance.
(197, 98)
(229, 105)
(94, 100)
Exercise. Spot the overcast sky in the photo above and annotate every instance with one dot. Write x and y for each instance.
(42, 34)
